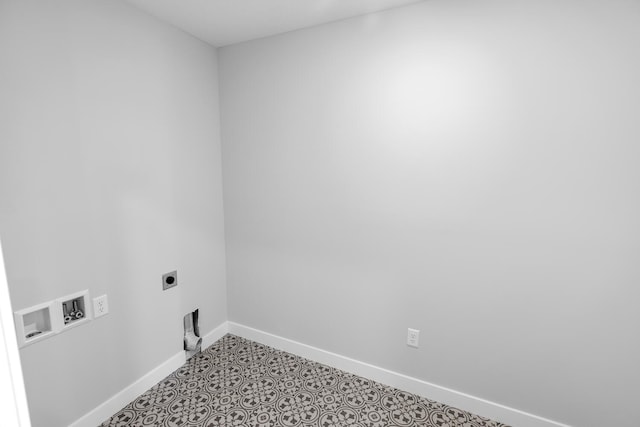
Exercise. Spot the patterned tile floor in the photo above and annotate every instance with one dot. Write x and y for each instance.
(237, 382)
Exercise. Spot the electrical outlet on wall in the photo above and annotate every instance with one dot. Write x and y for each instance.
(413, 337)
(100, 306)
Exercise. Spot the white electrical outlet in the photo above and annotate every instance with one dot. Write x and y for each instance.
(100, 306)
(413, 337)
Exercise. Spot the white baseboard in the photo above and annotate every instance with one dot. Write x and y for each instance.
(435, 392)
(128, 394)
(215, 335)
(445, 395)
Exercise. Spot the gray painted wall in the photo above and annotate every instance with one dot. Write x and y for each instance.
(109, 177)
(467, 168)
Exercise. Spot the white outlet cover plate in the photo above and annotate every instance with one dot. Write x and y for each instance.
(413, 337)
(100, 306)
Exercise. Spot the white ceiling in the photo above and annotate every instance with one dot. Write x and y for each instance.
(224, 22)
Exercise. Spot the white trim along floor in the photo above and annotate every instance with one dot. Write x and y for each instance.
(432, 393)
